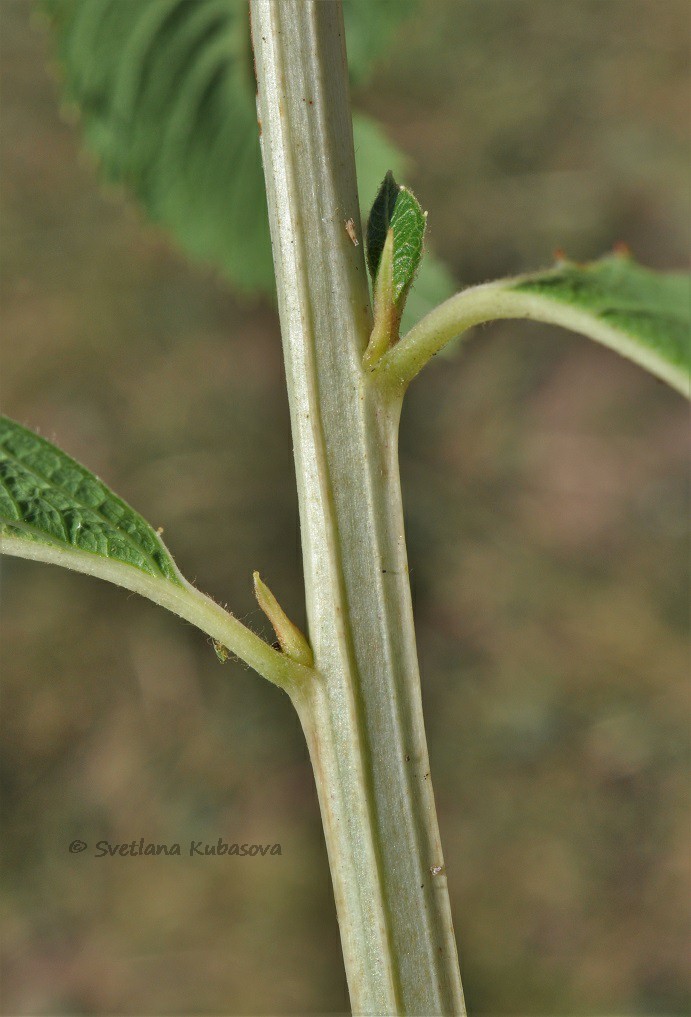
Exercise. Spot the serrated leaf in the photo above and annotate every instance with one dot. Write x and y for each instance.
(165, 90)
(408, 224)
(166, 93)
(55, 511)
(650, 309)
(47, 497)
(396, 208)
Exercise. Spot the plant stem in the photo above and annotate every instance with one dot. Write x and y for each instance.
(362, 714)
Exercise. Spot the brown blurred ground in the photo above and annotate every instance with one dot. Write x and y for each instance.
(547, 504)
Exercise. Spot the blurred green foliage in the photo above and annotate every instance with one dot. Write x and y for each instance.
(164, 91)
(546, 493)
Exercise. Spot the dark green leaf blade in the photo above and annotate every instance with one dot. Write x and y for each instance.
(396, 208)
(379, 221)
(55, 511)
(48, 498)
(166, 95)
(650, 311)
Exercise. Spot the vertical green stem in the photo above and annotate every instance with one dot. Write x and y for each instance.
(362, 716)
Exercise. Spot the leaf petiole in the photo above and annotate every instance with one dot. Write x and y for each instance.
(643, 315)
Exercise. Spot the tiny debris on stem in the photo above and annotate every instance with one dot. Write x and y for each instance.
(222, 652)
(350, 230)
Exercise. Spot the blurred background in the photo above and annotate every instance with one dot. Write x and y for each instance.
(547, 509)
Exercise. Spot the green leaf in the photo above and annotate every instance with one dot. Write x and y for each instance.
(379, 221)
(408, 223)
(649, 309)
(395, 233)
(396, 208)
(166, 93)
(47, 497)
(53, 510)
(165, 89)
(433, 282)
(643, 315)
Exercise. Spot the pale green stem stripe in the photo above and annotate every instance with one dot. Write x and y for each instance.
(495, 300)
(184, 600)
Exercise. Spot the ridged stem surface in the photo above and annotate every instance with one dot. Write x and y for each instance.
(362, 715)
